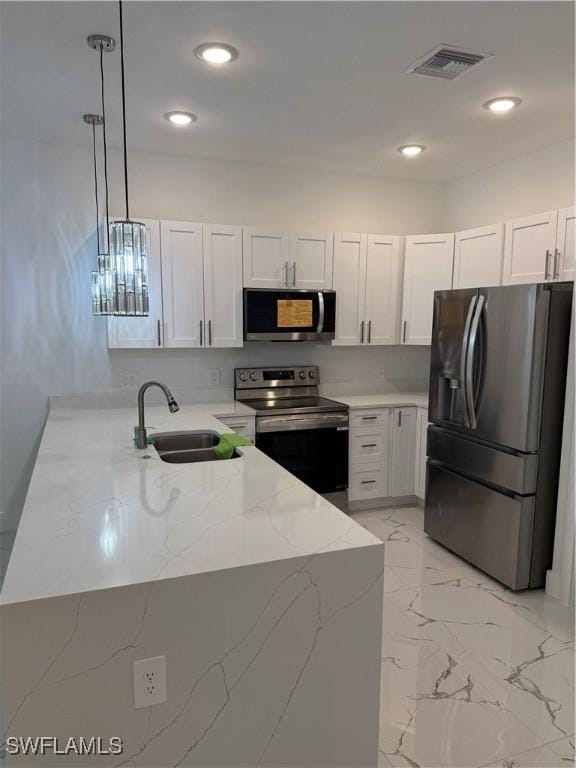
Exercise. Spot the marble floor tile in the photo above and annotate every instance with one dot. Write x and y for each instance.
(473, 674)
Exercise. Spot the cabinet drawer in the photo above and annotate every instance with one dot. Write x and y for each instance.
(368, 482)
(373, 418)
(242, 425)
(367, 445)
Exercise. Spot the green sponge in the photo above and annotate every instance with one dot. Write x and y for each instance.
(228, 442)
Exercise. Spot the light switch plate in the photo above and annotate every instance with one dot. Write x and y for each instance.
(150, 682)
(214, 377)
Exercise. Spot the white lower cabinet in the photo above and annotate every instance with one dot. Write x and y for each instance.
(242, 425)
(403, 453)
(367, 482)
(421, 436)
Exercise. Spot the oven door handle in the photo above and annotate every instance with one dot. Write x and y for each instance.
(320, 312)
(293, 423)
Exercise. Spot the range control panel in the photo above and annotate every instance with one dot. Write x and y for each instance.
(262, 378)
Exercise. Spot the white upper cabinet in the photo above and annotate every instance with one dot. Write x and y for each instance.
(222, 286)
(143, 332)
(383, 272)
(350, 286)
(403, 437)
(367, 273)
(529, 249)
(478, 257)
(565, 254)
(266, 257)
(311, 259)
(427, 268)
(182, 284)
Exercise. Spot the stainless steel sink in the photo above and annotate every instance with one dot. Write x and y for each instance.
(187, 447)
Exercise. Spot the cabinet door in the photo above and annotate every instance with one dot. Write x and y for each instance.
(421, 433)
(266, 256)
(143, 332)
(223, 285)
(182, 284)
(350, 285)
(383, 272)
(427, 268)
(478, 257)
(403, 436)
(565, 253)
(529, 249)
(311, 258)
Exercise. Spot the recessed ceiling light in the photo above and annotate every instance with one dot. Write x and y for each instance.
(216, 53)
(411, 150)
(502, 104)
(180, 118)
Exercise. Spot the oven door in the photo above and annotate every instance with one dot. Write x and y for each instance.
(314, 448)
(289, 315)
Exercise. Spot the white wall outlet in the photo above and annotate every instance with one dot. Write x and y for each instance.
(150, 682)
(128, 380)
(214, 377)
(381, 371)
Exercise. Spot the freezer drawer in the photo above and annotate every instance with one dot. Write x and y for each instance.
(491, 530)
(508, 469)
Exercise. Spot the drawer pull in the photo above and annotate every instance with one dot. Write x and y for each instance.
(369, 418)
(237, 426)
(369, 445)
(367, 482)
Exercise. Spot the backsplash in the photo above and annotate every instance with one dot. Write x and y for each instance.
(188, 373)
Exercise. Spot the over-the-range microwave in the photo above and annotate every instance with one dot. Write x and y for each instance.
(272, 314)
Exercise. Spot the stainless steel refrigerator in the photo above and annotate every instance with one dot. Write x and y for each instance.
(497, 390)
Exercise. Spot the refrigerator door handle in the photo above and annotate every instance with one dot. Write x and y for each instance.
(463, 356)
(470, 352)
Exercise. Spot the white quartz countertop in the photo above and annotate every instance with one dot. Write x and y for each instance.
(99, 515)
(398, 399)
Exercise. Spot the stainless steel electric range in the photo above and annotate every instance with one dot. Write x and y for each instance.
(305, 433)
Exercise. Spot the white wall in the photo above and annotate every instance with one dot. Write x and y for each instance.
(51, 344)
(539, 181)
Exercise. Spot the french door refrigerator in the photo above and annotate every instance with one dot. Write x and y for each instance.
(497, 389)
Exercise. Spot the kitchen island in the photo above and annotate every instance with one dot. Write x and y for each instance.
(265, 599)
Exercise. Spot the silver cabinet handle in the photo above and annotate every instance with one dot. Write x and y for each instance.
(362, 332)
(369, 418)
(404, 325)
(209, 333)
(159, 334)
(294, 274)
(201, 333)
(237, 427)
(367, 482)
(369, 445)
(369, 331)
(547, 265)
(556, 264)
(399, 418)
(286, 273)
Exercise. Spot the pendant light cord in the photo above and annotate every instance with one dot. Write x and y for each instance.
(96, 188)
(123, 108)
(107, 252)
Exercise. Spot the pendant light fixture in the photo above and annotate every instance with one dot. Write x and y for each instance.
(120, 284)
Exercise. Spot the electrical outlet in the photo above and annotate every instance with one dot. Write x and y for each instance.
(214, 377)
(150, 682)
(381, 371)
(128, 380)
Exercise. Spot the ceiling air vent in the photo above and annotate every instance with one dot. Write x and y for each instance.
(447, 62)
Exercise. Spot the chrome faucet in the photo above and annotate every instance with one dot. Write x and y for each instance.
(140, 436)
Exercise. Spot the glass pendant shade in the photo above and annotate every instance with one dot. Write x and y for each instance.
(120, 284)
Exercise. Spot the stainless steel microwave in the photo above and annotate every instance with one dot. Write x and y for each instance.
(272, 314)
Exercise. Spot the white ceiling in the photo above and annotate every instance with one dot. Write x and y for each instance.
(319, 85)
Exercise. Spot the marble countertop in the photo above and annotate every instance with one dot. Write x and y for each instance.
(101, 514)
(397, 399)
